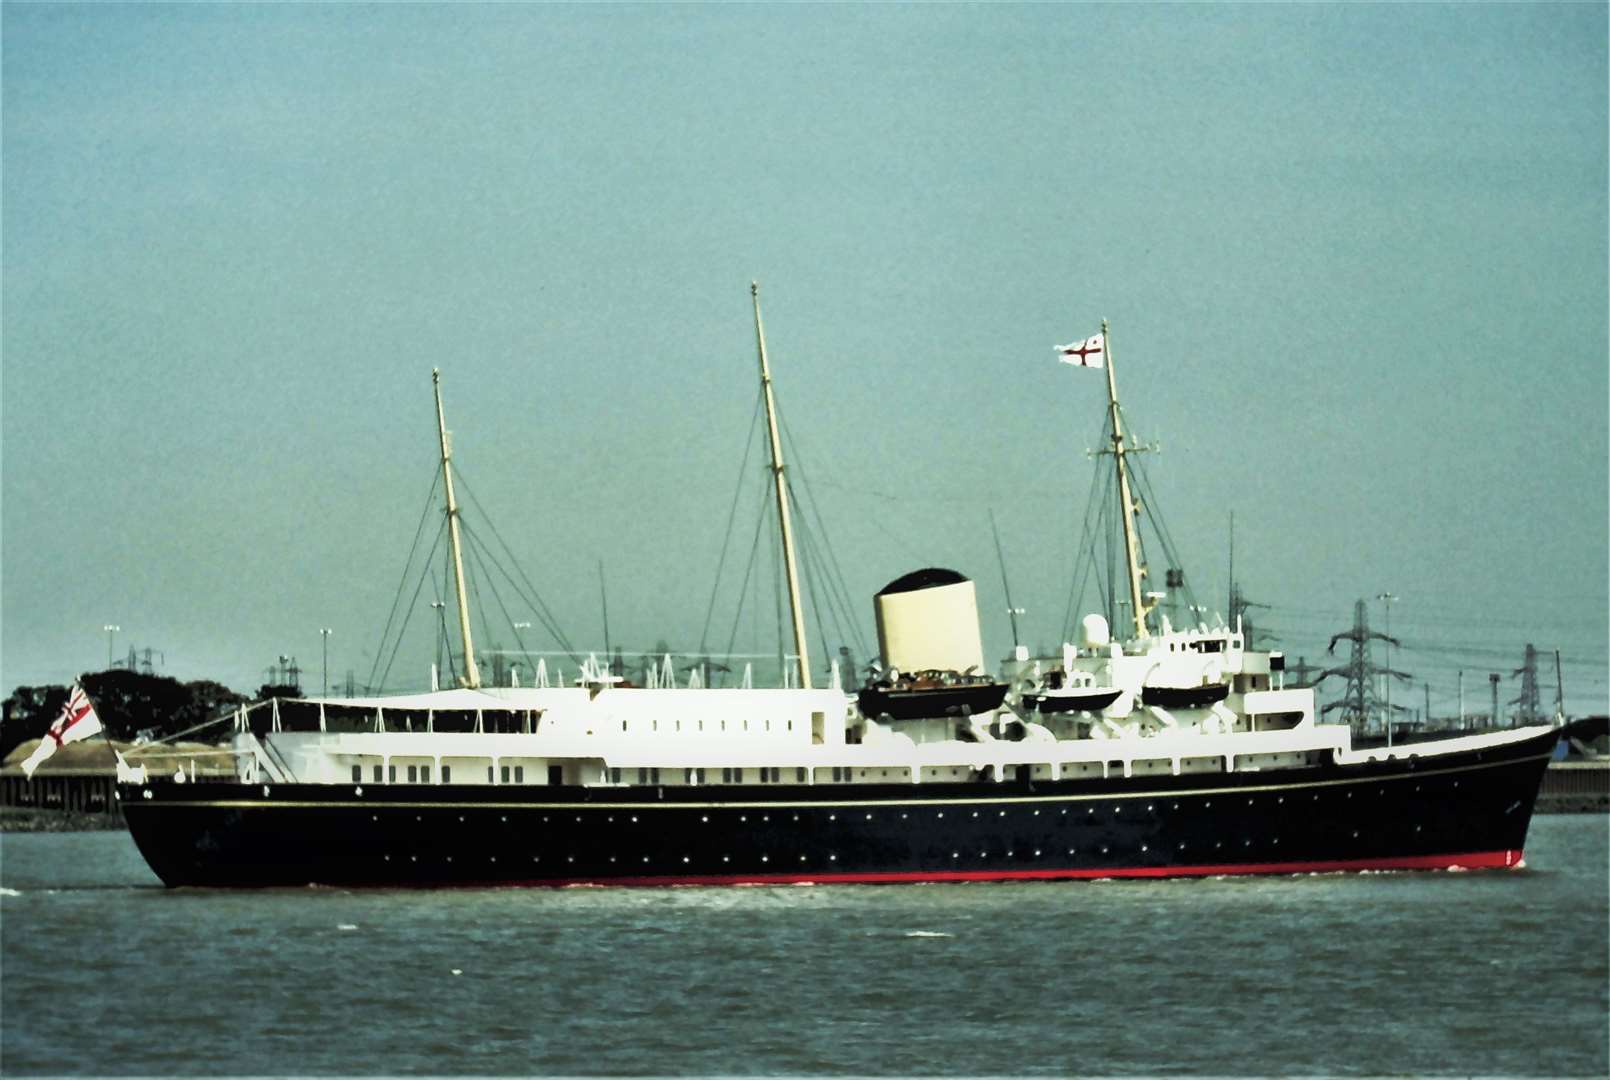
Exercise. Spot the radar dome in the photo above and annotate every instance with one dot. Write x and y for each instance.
(1093, 632)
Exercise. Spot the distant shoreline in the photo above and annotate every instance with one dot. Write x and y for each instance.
(15, 819)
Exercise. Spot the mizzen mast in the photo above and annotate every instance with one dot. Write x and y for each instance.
(781, 486)
(1127, 501)
(472, 675)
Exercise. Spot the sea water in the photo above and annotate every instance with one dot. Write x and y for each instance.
(103, 971)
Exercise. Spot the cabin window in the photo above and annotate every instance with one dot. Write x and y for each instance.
(413, 774)
(556, 774)
(642, 776)
(391, 774)
(489, 774)
(614, 776)
(654, 775)
(357, 773)
(698, 775)
(799, 776)
(447, 773)
(519, 774)
(424, 773)
(378, 774)
(503, 774)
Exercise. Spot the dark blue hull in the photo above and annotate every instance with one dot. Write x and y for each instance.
(1468, 809)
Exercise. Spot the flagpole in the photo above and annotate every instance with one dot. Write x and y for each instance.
(1131, 540)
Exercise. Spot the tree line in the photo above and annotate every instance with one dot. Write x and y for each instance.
(131, 704)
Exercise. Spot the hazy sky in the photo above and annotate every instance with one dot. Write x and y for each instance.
(1354, 258)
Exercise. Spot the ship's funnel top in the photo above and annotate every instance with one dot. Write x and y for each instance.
(1093, 632)
(926, 578)
(928, 620)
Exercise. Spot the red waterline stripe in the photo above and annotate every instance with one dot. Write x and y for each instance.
(1480, 860)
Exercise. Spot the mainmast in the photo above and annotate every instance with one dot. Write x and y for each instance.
(1127, 501)
(781, 485)
(472, 674)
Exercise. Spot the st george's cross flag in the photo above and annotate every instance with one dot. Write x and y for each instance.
(76, 722)
(1091, 352)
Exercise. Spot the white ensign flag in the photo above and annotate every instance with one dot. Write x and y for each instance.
(1091, 352)
(76, 722)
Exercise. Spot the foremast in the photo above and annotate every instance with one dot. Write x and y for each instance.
(780, 484)
(472, 674)
(1137, 572)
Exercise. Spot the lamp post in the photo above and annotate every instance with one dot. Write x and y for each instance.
(1386, 599)
(325, 632)
(110, 630)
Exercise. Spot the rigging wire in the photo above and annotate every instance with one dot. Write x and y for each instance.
(481, 554)
(833, 573)
(532, 596)
(743, 586)
(732, 513)
(402, 582)
(409, 611)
